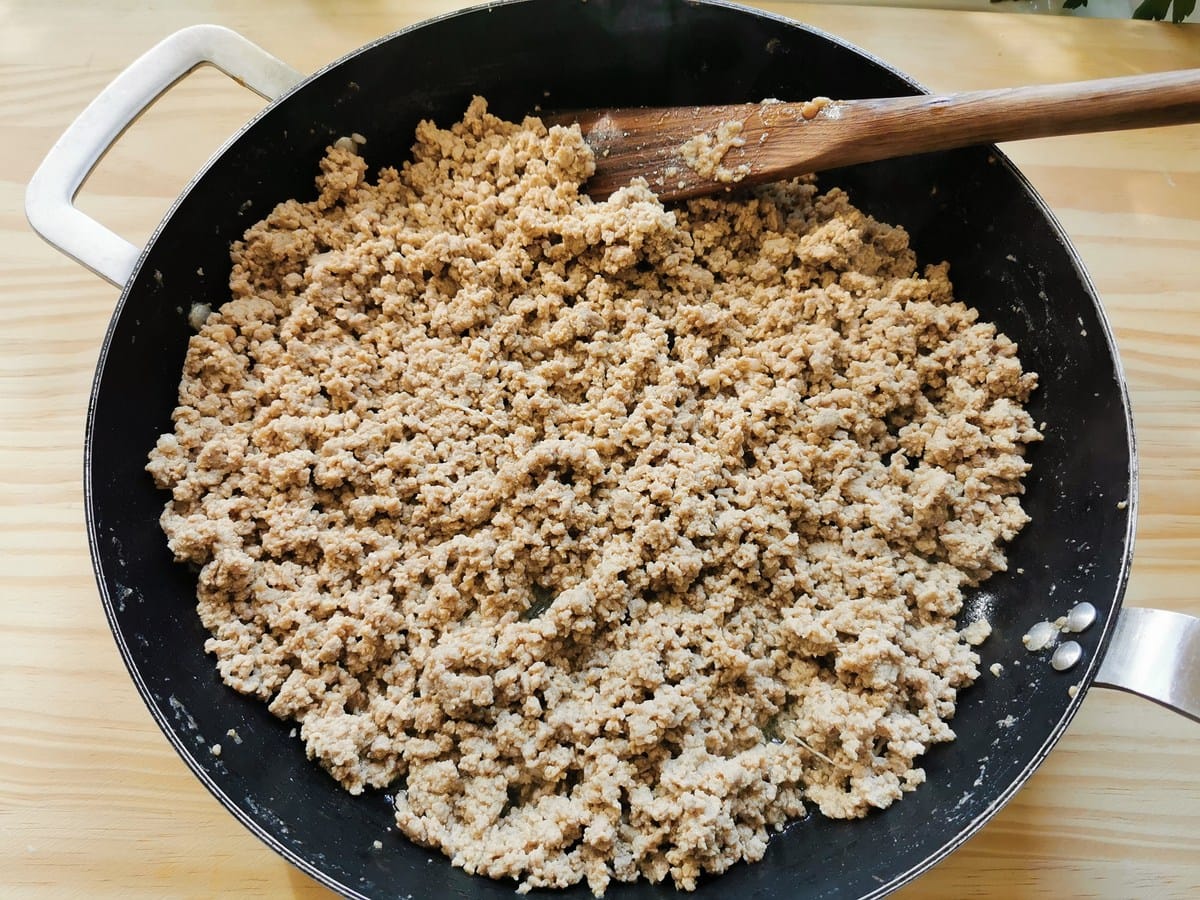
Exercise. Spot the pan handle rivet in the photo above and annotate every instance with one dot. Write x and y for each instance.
(1081, 616)
(1066, 656)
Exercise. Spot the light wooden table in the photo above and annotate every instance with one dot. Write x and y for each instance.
(93, 801)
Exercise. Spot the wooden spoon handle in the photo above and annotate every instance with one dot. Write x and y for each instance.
(887, 128)
(772, 140)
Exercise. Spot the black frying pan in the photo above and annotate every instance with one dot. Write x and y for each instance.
(1008, 257)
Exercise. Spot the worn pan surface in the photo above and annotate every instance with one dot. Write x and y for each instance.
(1008, 258)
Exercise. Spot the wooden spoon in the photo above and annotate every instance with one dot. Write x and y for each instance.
(774, 141)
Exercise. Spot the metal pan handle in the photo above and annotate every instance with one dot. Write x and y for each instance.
(49, 199)
(1155, 653)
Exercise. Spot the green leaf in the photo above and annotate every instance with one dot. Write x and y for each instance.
(1182, 9)
(1152, 9)
(1074, 4)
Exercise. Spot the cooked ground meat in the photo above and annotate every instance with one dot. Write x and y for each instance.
(705, 153)
(610, 536)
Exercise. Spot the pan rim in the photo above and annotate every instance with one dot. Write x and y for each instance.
(185, 751)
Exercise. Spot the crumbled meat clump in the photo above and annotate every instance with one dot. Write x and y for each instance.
(607, 535)
(705, 153)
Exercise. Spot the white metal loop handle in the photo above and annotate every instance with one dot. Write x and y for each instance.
(49, 199)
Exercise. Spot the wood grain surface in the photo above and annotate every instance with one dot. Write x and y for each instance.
(93, 801)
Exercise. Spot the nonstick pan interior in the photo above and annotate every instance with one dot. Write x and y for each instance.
(1008, 258)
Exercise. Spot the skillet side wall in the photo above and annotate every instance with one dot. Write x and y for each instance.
(970, 207)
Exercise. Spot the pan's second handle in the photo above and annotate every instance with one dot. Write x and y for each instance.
(1156, 653)
(49, 199)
